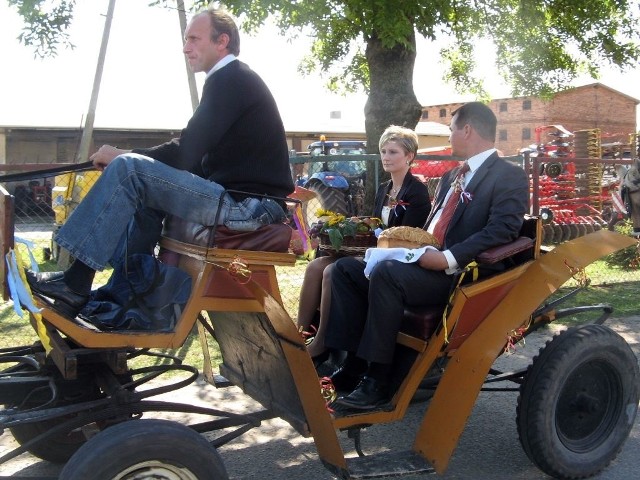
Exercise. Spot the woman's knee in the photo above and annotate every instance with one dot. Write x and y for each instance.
(326, 273)
(315, 269)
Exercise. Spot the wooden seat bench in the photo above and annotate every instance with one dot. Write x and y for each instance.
(214, 288)
(219, 285)
(419, 323)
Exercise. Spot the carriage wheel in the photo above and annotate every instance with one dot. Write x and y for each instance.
(59, 447)
(146, 449)
(578, 402)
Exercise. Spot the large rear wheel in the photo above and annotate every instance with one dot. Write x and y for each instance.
(578, 402)
(146, 449)
(327, 198)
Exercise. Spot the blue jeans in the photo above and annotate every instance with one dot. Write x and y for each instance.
(123, 212)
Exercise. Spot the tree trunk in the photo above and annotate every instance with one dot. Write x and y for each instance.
(391, 100)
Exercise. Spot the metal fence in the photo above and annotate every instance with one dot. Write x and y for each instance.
(577, 202)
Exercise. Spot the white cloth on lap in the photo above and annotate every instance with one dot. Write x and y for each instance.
(406, 255)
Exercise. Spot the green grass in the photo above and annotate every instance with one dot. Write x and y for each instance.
(610, 285)
(607, 285)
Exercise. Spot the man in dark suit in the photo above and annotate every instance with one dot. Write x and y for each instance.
(235, 140)
(366, 314)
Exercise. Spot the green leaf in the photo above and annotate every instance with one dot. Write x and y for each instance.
(336, 238)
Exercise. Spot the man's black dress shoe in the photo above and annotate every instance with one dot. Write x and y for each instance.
(42, 276)
(368, 395)
(344, 380)
(65, 300)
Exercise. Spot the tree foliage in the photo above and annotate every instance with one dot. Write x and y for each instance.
(370, 45)
(541, 46)
(45, 24)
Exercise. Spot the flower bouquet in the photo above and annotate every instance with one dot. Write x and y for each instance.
(345, 235)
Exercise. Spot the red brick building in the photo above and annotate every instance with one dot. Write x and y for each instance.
(587, 107)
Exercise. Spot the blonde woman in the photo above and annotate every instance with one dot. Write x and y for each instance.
(402, 200)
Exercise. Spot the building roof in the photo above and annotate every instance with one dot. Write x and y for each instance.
(589, 85)
(433, 129)
(602, 85)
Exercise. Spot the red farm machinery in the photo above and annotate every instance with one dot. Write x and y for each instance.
(574, 180)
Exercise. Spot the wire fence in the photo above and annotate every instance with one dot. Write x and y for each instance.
(573, 196)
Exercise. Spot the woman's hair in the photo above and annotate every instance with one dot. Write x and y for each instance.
(401, 135)
(222, 22)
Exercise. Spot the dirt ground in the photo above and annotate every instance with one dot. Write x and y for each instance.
(488, 449)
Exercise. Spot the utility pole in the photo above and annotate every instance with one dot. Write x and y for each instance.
(87, 133)
(191, 78)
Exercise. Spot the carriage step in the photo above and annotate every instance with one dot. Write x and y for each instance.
(392, 464)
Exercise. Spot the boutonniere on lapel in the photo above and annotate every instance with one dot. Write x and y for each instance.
(466, 197)
(394, 203)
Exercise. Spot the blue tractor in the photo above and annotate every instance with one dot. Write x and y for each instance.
(338, 184)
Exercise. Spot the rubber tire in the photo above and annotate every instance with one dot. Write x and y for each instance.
(56, 449)
(131, 447)
(327, 198)
(557, 432)
(60, 447)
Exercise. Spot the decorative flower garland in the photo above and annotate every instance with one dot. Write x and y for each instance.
(458, 186)
(394, 203)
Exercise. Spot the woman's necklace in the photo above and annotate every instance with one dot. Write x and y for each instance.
(394, 191)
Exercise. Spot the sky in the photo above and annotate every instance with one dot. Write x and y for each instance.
(144, 83)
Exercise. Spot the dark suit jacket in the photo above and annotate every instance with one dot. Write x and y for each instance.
(235, 137)
(494, 216)
(412, 191)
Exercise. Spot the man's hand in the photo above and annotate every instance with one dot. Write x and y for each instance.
(433, 260)
(105, 155)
